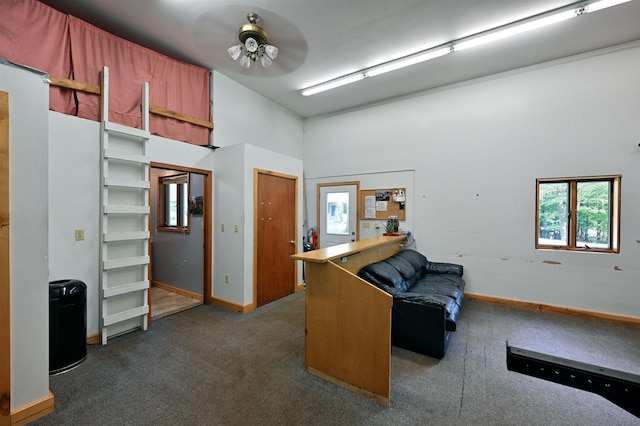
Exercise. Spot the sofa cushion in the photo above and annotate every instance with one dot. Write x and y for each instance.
(452, 309)
(385, 274)
(429, 285)
(417, 260)
(405, 268)
(444, 268)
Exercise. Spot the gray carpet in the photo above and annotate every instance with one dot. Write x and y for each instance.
(210, 366)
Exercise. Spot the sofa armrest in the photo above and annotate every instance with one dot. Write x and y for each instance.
(419, 326)
(444, 268)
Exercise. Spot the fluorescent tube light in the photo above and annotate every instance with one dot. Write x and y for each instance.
(603, 4)
(406, 61)
(514, 30)
(519, 27)
(332, 84)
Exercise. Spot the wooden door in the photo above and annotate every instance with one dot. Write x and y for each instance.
(5, 328)
(276, 201)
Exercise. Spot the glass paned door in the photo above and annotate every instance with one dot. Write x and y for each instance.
(338, 214)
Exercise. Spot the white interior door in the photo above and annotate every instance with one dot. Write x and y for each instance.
(338, 222)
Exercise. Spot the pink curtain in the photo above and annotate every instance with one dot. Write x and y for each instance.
(172, 84)
(36, 35)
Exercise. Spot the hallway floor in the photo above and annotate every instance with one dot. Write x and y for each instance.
(164, 303)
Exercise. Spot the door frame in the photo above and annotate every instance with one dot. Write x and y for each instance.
(358, 206)
(256, 173)
(208, 212)
(5, 263)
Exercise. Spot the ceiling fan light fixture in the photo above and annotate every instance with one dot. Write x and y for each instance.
(271, 51)
(265, 60)
(254, 44)
(235, 51)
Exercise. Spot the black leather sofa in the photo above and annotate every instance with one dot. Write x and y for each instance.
(427, 300)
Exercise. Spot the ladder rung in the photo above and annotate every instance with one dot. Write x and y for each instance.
(129, 183)
(125, 156)
(125, 130)
(125, 288)
(125, 236)
(125, 262)
(112, 208)
(125, 315)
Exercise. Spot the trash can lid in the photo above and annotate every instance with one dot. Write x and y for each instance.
(62, 288)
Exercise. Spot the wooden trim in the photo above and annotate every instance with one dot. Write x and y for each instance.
(208, 219)
(256, 173)
(208, 238)
(94, 339)
(233, 306)
(299, 287)
(614, 215)
(348, 330)
(348, 249)
(161, 203)
(384, 400)
(5, 253)
(168, 166)
(177, 290)
(96, 90)
(358, 206)
(75, 85)
(33, 411)
(179, 116)
(563, 310)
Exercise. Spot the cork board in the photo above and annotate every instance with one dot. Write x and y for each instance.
(379, 204)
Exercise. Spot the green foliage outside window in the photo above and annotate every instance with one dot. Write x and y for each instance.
(578, 213)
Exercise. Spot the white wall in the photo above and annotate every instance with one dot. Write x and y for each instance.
(74, 182)
(74, 203)
(380, 180)
(252, 132)
(229, 210)
(75, 167)
(29, 247)
(241, 116)
(477, 149)
(258, 158)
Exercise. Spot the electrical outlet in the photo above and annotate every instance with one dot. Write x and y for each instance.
(226, 278)
(79, 234)
(236, 227)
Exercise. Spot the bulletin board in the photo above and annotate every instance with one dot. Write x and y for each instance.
(379, 204)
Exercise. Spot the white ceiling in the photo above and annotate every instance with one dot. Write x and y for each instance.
(323, 39)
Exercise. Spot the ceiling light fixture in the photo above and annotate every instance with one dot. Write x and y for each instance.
(254, 44)
(509, 30)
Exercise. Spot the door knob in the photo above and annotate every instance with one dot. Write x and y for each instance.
(293, 243)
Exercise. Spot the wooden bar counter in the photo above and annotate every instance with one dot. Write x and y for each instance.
(347, 320)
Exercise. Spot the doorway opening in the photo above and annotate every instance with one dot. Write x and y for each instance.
(180, 243)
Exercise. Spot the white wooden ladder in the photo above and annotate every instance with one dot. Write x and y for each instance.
(124, 221)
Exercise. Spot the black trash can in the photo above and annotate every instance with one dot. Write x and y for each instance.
(67, 325)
